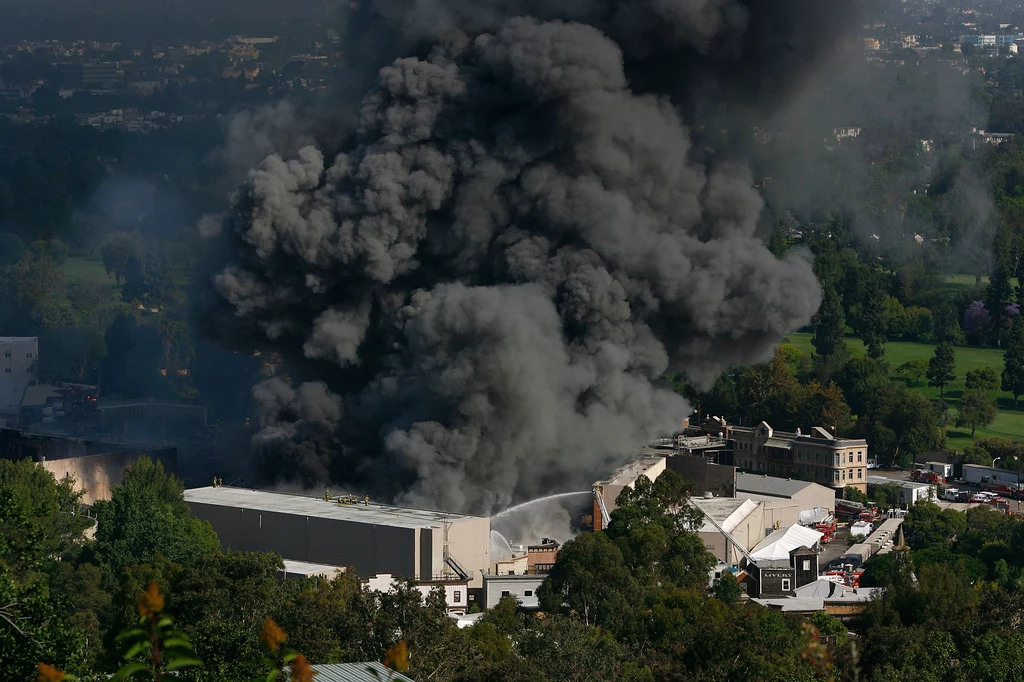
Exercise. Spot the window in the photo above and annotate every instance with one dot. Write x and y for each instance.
(528, 593)
(806, 566)
(28, 355)
(7, 353)
(785, 584)
(859, 456)
(504, 593)
(838, 459)
(511, 572)
(860, 473)
(457, 597)
(844, 474)
(7, 370)
(837, 475)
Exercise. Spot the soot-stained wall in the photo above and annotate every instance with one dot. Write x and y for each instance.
(366, 548)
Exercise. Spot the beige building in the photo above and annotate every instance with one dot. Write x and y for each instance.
(818, 456)
(729, 524)
(784, 498)
(607, 492)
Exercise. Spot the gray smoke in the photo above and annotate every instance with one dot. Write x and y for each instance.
(486, 279)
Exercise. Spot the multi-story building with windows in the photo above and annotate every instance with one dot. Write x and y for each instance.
(818, 456)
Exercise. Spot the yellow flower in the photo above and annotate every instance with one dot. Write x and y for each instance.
(397, 657)
(47, 673)
(151, 602)
(272, 635)
(301, 672)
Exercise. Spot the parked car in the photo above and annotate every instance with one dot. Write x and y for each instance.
(981, 498)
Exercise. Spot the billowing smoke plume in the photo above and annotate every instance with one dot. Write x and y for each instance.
(481, 286)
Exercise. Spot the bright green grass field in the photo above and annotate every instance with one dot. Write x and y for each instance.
(1008, 425)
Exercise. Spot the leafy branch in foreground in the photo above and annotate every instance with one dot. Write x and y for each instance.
(278, 657)
(154, 648)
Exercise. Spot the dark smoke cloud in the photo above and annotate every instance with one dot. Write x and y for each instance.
(488, 276)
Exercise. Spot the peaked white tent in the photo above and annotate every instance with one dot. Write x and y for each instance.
(780, 543)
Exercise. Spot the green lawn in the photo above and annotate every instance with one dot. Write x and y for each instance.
(86, 269)
(1009, 424)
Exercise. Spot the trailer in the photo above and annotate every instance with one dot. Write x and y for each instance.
(855, 510)
(857, 555)
(976, 474)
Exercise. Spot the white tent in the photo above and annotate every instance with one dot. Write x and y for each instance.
(779, 544)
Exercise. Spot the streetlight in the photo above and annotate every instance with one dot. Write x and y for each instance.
(995, 460)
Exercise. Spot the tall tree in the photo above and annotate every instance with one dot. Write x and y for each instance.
(118, 250)
(830, 335)
(998, 294)
(1013, 361)
(942, 367)
(976, 409)
(872, 319)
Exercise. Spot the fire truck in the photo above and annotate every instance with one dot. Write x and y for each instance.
(77, 398)
(925, 476)
(855, 510)
(827, 527)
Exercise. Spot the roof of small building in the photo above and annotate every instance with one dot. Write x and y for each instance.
(378, 514)
(308, 569)
(356, 672)
(780, 543)
(769, 485)
(793, 604)
(831, 592)
(729, 512)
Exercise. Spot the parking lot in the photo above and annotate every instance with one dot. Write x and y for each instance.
(945, 504)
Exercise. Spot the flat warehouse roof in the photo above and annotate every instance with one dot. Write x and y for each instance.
(282, 503)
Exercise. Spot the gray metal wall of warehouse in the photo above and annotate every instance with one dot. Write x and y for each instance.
(368, 549)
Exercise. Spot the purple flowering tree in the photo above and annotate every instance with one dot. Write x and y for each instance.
(975, 318)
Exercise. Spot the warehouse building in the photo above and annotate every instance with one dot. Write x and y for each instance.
(784, 498)
(731, 526)
(369, 538)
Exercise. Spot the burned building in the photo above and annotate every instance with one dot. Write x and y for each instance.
(96, 466)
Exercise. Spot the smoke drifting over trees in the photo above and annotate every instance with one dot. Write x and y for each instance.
(480, 284)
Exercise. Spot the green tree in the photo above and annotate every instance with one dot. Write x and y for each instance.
(998, 294)
(39, 516)
(146, 515)
(824, 406)
(976, 454)
(942, 367)
(118, 250)
(873, 321)
(1013, 360)
(899, 423)
(34, 627)
(914, 371)
(590, 578)
(982, 379)
(726, 588)
(854, 495)
(928, 525)
(947, 325)
(975, 409)
(830, 335)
